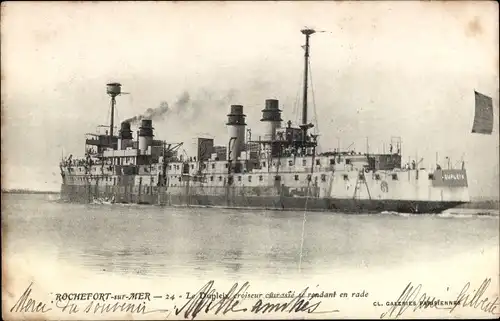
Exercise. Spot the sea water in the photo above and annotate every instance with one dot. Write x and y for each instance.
(152, 241)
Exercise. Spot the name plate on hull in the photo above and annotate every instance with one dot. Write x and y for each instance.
(450, 177)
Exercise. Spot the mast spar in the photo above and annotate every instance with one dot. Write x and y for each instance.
(305, 126)
(113, 90)
(307, 33)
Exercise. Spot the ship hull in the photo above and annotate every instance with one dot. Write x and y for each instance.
(83, 194)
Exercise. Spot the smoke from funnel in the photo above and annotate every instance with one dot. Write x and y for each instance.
(196, 113)
(183, 99)
(163, 109)
(151, 113)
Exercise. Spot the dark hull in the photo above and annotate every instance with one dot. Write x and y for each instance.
(160, 197)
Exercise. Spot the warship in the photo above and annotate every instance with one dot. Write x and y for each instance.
(281, 170)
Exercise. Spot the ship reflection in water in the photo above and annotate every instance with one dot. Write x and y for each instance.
(151, 241)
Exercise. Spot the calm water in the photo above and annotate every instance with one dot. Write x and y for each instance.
(150, 241)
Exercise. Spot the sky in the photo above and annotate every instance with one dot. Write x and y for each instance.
(380, 70)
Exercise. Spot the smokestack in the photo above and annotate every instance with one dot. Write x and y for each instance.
(271, 116)
(145, 135)
(125, 136)
(236, 130)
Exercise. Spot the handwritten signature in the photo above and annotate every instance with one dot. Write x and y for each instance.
(477, 300)
(201, 302)
(411, 299)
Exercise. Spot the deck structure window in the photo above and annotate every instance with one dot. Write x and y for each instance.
(211, 178)
(227, 165)
(323, 177)
(346, 177)
(277, 178)
(332, 161)
(431, 176)
(296, 177)
(394, 177)
(318, 162)
(304, 162)
(260, 178)
(220, 178)
(263, 164)
(180, 179)
(249, 178)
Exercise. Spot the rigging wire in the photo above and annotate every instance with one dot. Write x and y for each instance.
(314, 105)
(312, 164)
(305, 212)
(297, 100)
(313, 98)
(303, 226)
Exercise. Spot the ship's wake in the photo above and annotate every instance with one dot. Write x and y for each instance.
(103, 201)
(54, 197)
(454, 214)
(470, 214)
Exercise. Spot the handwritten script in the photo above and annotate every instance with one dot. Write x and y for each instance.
(229, 303)
(26, 304)
(206, 300)
(413, 298)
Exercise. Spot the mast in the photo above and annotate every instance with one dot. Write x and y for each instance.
(112, 122)
(113, 90)
(307, 33)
